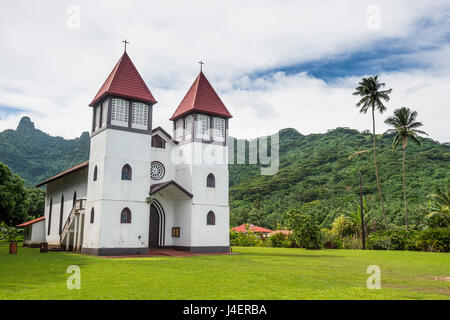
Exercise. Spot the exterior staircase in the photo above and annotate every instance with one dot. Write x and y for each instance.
(72, 232)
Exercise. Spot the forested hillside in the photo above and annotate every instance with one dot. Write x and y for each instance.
(34, 155)
(318, 173)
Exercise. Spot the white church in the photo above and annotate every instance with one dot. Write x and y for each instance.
(142, 188)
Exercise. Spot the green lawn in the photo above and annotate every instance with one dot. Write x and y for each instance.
(257, 273)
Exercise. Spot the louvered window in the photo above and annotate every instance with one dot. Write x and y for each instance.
(139, 115)
(218, 129)
(188, 121)
(97, 117)
(104, 112)
(179, 130)
(202, 127)
(119, 112)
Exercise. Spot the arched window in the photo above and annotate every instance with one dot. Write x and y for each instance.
(61, 214)
(50, 216)
(126, 172)
(211, 219)
(125, 216)
(95, 173)
(92, 215)
(74, 198)
(211, 181)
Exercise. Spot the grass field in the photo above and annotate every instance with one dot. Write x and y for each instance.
(257, 273)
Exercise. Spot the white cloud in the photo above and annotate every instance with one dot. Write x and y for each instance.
(53, 72)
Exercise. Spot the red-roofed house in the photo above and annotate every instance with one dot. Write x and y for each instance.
(253, 228)
(34, 232)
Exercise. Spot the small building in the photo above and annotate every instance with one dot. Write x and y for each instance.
(33, 233)
(255, 229)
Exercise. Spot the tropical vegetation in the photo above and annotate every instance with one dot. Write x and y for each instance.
(372, 98)
(405, 129)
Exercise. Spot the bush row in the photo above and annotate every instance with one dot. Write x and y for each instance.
(431, 239)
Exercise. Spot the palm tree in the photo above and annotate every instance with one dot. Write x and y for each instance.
(442, 196)
(439, 210)
(373, 97)
(354, 215)
(405, 127)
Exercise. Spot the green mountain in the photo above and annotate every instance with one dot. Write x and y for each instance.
(318, 172)
(35, 155)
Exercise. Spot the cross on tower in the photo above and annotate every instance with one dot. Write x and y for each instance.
(125, 42)
(201, 65)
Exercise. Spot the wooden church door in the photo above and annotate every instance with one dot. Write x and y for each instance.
(154, 227)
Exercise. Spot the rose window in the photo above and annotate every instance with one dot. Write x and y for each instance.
(157, 170)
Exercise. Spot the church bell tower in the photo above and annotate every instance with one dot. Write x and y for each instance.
(200, 125)
(119, 164)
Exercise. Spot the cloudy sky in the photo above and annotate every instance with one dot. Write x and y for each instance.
(276, 64)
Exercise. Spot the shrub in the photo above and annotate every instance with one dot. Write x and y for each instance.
(331, 240)
(342, 227)
(277, 239)
(395, 238)
(290, 242)
(244, 239)
(351, 243)
(305, 230)
(233, 236)
(432, 239)
(10, 233)
(263, 243)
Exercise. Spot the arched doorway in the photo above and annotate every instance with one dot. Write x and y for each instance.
(156, 228)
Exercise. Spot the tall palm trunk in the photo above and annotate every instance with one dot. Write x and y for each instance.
(376, 166)
(404, 187)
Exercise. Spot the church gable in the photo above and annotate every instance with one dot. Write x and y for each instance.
(161, 137)
(158, 142)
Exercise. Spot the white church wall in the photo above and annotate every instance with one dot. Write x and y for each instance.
(182, 219)
(203, 194)
(115, 234)
(67, 185)
(123, 147)
(199, 161)
(91, 233)
(164, 156)
(210, 235)
(96, 159)
(37, 232)
(112, 149)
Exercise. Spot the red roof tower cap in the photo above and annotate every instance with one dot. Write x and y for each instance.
(201, 97)
(125, 81)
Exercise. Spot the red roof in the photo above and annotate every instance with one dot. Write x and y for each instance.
(253, 228)
(201, 97)
(30, 222)
(125, 81)
(65, 172)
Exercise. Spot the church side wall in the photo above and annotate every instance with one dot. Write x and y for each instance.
(67, 185)
(203, 235)
(91, 235)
